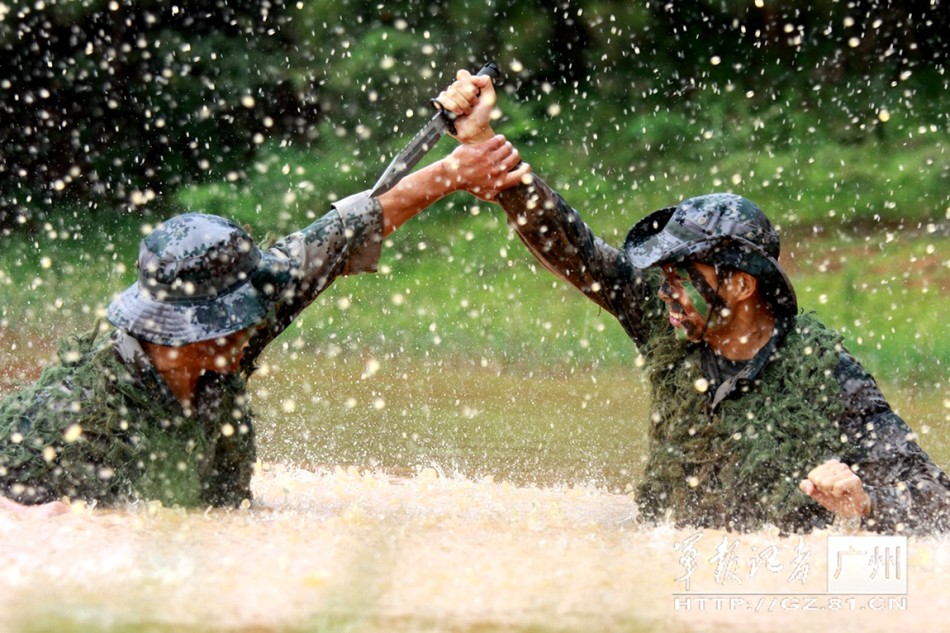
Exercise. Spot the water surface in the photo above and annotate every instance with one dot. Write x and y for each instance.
(401, 495)
(349, 550)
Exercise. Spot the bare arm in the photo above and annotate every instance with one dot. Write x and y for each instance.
(482, 168)
(41, 511)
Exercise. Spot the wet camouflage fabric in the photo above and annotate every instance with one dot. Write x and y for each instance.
(734, 460)
(103, 427)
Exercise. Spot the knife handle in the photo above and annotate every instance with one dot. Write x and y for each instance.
(491, 69)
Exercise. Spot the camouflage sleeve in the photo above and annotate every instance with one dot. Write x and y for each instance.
(908, 491)
(346, 241)
(560, 239)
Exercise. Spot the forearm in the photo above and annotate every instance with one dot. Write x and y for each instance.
(415, 192)
(552, 231)
(917, 503)
(906, 488)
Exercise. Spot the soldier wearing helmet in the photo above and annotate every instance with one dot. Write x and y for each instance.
(759, 413)
(155, 405)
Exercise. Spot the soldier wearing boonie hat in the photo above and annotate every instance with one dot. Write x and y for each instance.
(759, 414)
(199, 277)
(750, 398)
(156, 406)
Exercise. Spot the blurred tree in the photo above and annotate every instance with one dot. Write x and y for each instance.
(115, 103)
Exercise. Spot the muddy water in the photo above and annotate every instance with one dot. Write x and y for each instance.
(466, 499)
(344, 550)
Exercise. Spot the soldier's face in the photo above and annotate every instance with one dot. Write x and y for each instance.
(691, 300)
(222, 355)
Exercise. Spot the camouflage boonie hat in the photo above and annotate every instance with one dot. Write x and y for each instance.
(199, 277)
(718, 228)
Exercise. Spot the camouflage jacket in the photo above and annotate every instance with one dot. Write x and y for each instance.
(731, 456)
(102, 426)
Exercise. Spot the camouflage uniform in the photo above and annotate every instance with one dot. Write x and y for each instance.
(732, 456)
(102, 425)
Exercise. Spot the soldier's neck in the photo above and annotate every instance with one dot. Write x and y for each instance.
(182, 384)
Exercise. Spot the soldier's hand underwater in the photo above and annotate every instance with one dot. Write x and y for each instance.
(837, 488)
(485, 168)
(472, 98)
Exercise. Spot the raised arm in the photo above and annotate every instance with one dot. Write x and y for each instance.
(348, 239)
(553, 231)
(482, 168)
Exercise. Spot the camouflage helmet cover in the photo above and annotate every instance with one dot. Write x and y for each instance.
(199, 277)
(718, 228)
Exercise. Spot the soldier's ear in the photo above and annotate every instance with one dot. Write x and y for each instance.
(743, 285)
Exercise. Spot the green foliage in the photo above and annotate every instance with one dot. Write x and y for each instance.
(884, 291)
(114, 106)
(288, 186)
(109, 106)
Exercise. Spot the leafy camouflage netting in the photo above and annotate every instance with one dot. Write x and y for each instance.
(91, 428)
(740, 467)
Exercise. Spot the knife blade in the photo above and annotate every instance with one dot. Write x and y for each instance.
(422, 142)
